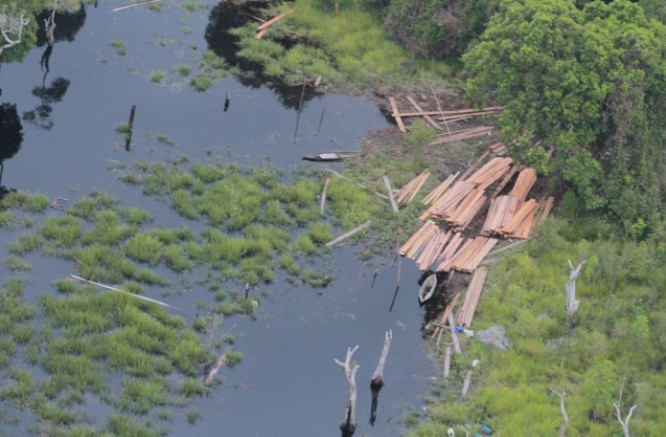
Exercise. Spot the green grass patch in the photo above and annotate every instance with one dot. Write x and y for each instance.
(120, 47)
(184, 70)
(157, 76)
(201, 83)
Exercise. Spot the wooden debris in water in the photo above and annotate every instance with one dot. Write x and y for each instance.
(410, 190)
(349, 234)
(468, 308)
(108, 287)
(135, 5)
(387, 183)
(220, 362)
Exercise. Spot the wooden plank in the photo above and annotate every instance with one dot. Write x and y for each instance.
(396, 114)
(390, 191)
(507, 177)
(323, 196)
(421, 241)
(261, 33)
(476, 164)
(550, 201)
(489, 109)
(428, 118)
(418, 187)
(133, 5)
(471, 133)
(445, 317)
(118, 290)
(472, 297)
(349, 234)
(272, 21)
(408, 245)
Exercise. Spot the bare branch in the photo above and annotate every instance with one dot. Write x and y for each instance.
(378, 375)
(12, 26)
(571, 304)
(350, 372)
(563, 428)
(618, 413)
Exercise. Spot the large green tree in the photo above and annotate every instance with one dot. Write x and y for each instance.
(438, 28)
(589, 83)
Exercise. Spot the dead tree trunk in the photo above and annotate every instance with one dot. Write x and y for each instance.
(11, 29)
(571, 304)
(349, 425)
(618, 413)
(378, 377)
(563, 428)
(130, 130)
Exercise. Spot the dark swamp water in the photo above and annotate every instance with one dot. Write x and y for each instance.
(287, 383)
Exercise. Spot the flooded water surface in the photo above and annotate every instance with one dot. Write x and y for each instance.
(71, 97)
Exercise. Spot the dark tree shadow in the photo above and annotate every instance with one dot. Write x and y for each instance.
(41, 115)
(11, 137)
(226, 16)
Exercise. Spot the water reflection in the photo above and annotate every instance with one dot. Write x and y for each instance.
(225, 17)
(11, 137)
(53, 27)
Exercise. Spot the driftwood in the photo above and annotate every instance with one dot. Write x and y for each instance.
(349, 425)
(571, 303)
(378, 376)
(118, 290)
(220, 362)
(349, 234)
(563, 428)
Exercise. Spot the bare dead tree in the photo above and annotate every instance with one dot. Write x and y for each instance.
(378, 376)
(571, 304)
(349, 425)
(49, 26)
(563, 428)
(11, 28)
(618, 413)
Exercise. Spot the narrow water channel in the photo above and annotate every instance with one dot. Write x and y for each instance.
(288, 383)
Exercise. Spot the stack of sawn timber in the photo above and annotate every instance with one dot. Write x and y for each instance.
(459, 205)
(466, 312)
(409, 191)
(511, 216)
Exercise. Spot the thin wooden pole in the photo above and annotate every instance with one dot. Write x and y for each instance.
(323, 196)
(108, 287)
(390, 191)
(349, 234)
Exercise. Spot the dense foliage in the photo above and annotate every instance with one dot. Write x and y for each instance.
(619, 339)
(589, 83)
(438, 28)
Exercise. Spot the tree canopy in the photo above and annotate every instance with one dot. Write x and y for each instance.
(589, 83)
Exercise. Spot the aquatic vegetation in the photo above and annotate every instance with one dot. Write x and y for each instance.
(120, 47)
(157, 76)
(201, 82)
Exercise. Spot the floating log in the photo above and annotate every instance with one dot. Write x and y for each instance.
(220, 362)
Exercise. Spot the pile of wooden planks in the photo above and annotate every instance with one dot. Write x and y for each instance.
(407, 193)
(493, 170)
(522, 221)
(466, 312)
(526, 179)
(498, 149)
(545, 206)
(469, 258)
(499, 215)
(439, 190)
